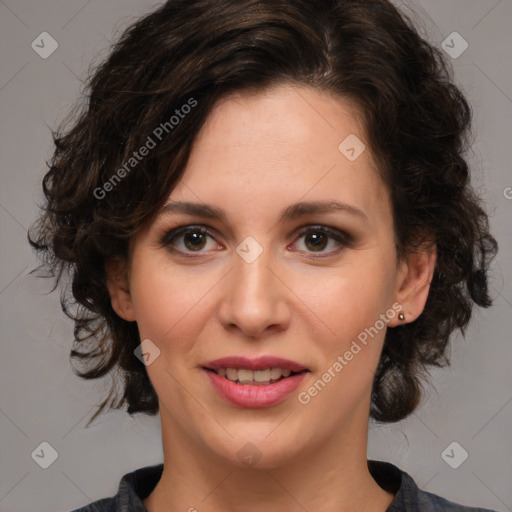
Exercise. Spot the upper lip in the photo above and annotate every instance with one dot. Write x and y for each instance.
(258, 363)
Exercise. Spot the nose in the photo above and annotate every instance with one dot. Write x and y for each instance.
(254, 298)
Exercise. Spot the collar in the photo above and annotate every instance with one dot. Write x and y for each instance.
(137, 485)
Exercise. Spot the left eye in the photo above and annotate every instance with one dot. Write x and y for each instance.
(319, 237)
(193, 239)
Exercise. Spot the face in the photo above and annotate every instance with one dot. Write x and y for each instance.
(317, 288)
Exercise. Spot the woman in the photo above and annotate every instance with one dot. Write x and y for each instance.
(272, 234)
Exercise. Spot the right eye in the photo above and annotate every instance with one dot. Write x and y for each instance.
(187, 240)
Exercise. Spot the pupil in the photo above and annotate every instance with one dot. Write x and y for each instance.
(194, 238)
(318, 242)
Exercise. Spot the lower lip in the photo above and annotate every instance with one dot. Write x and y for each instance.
(245, 395)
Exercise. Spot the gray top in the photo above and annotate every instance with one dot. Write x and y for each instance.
(137, 485)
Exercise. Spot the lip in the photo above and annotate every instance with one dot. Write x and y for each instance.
(245, 395)
(258, 363)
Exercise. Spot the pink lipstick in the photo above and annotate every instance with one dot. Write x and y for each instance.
(254, 382)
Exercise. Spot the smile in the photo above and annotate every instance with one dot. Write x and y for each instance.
(254, 377)
(254, 382)
(251, 393)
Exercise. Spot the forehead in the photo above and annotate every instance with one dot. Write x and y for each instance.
(260, 151)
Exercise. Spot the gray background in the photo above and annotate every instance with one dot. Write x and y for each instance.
(42, 400)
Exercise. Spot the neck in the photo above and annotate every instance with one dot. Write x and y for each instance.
(333, 475)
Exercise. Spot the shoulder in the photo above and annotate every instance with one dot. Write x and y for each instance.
(408, 496)
(133, 488)
(429, 502)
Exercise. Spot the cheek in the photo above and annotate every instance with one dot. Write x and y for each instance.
(348, 352)
(157, 300)
(350, 298)
(171, 304)
(348, 330)
(170, 311)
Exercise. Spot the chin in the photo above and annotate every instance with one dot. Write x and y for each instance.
(261, 451)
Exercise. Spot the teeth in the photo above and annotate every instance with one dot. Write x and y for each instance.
(245, 376)
(231, 374)
(263, 375)
(256, 377)
(275, 373)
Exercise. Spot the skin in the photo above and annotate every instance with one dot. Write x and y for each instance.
(256, 155)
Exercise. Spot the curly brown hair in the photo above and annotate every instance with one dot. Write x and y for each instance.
(193, 52)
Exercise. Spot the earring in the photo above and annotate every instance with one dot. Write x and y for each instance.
(401, 316)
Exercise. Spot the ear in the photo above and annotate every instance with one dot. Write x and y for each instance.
(414, 277)
(119, 290)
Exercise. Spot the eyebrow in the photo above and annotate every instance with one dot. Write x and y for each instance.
(293, 211)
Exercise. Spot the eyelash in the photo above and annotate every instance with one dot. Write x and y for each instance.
(342, 238)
